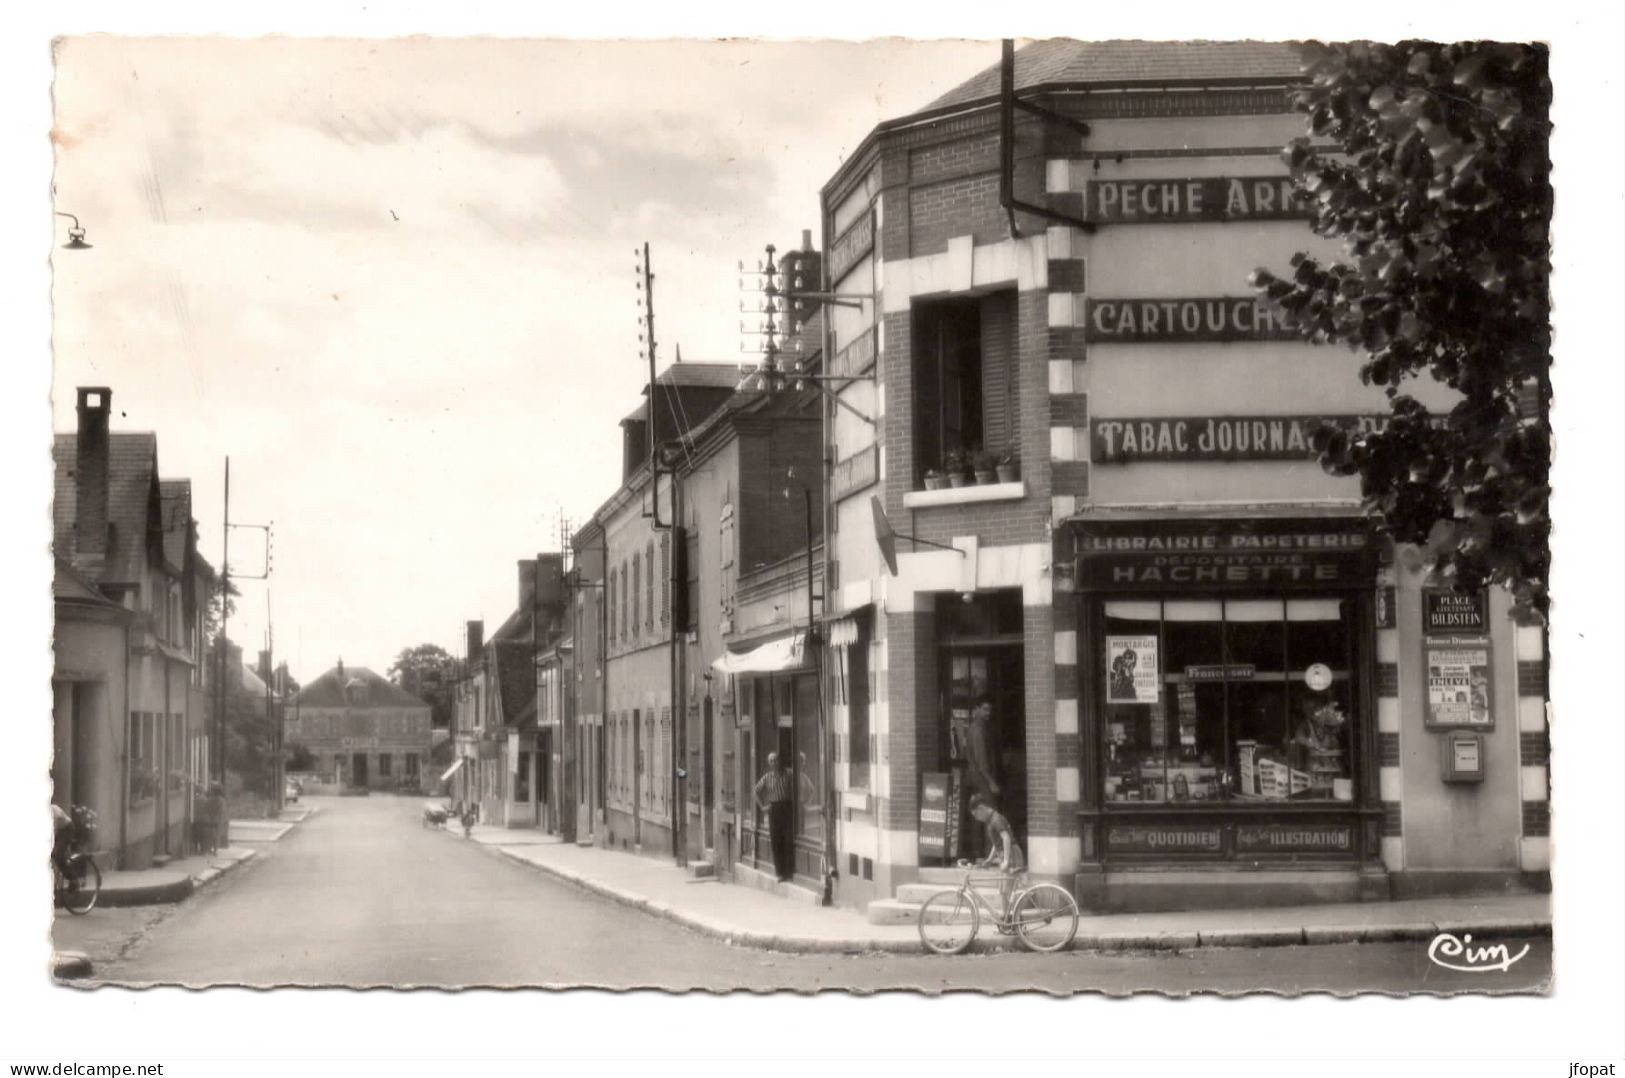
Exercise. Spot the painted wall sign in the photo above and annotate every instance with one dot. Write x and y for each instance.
(1211, 198)
(1294, 838)
(1132, 670)
(857, 357)
(1215, 438)
(851, 245)
(1236, 554)
(1218, 318)
(1447, 611)
(858, 472)
(1165, 838)
(1458, 685)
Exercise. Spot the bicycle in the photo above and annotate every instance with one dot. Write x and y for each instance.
(76, 879)
(1044, 917)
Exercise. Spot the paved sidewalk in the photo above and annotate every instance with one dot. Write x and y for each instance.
(748, 917)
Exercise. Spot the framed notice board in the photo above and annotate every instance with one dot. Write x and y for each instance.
(1457, 680)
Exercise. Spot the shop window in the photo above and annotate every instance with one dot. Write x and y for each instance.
(964, 378)
(1228, 700)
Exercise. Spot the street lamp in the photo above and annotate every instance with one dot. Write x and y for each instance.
(76, 234)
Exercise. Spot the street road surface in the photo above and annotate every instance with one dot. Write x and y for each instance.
(360, 894)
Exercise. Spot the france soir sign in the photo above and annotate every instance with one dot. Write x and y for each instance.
(1211, 198)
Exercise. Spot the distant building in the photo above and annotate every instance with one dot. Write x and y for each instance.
(363, 729)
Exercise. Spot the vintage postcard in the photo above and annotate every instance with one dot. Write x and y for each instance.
(1053, 516)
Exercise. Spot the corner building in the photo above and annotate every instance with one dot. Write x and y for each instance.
(1211, 683)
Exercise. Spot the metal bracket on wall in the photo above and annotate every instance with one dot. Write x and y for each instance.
(1008, 104)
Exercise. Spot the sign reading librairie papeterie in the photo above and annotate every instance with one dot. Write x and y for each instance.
(1210, 198)
(1213, 318)
(1220, 555)
(1215, 438)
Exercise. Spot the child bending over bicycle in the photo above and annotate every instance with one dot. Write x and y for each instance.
(1003, 851)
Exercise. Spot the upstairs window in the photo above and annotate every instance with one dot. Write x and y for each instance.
(965, 389)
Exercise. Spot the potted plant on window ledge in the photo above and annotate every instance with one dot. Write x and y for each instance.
(984, 464)
(953, 463)
(1008, 465)
(934, 479)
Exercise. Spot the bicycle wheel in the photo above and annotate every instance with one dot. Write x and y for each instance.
(948, 922)
(1046, 918)
(80, 891)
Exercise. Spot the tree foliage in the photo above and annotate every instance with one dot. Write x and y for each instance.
(430, 673)
(1430, 163)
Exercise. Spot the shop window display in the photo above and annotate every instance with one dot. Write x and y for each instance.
(1227, 700)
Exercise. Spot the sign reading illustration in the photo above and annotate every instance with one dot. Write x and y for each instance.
(1132, 670)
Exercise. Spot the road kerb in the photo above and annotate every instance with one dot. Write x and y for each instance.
(1274, 936)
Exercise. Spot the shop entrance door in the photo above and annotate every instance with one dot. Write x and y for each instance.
(982, 733)
(358, 769)
(984, 741)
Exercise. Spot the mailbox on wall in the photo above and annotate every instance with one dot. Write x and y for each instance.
(1462, 757)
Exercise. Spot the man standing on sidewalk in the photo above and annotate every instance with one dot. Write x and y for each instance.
(772, 792)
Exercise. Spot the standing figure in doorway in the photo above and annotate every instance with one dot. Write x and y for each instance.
(773, 793)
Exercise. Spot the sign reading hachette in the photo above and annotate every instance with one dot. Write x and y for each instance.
(1215, 438)
(1210, 198)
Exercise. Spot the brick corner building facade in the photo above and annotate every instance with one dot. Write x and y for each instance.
(1210, 682)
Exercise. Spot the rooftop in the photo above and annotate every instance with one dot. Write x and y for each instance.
(1068, 62)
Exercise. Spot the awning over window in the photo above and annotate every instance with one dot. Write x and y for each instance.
(452, 770)
(843, 632)
(786, 653)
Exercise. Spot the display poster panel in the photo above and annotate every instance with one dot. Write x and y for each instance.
(934, 814)
(1132, 672)
(1458, 684)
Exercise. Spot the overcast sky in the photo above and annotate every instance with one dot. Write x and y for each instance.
(394, 281)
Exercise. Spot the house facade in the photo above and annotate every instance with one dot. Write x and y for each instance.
(1171, 649)
(365, 730)
(130, 592)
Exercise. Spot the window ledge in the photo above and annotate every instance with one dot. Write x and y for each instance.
(966, 495)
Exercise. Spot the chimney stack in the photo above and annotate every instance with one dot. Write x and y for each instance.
(90, 471)
(476, 641)
(263, 667)
(341, 671)
(527, 581)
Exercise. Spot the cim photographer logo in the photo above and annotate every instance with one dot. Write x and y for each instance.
(1459, 954)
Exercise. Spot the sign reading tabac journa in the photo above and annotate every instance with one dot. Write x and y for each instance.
(1211, 198)
(1220, 318)
(1215, 438)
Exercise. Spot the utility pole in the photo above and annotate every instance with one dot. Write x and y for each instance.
(220, 639)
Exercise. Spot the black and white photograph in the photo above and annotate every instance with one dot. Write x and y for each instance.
(1063, 516)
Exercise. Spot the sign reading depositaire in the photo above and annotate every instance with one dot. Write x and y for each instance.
(1209, 198)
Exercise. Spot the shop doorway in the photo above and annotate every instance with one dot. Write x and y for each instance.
(982, 729)
(358, 770)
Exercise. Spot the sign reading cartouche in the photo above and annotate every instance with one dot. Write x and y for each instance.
(1219, 318)
(1212, 198)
